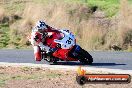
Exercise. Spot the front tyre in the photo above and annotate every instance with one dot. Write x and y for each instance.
(84, 57)
(87, 57)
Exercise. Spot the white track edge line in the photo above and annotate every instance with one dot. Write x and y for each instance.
(62, 67)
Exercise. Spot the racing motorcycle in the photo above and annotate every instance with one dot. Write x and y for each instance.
(66, 48)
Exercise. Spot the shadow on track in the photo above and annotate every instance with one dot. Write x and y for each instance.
(106, 64)
(94, 64)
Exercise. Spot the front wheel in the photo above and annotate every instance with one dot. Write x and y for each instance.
(84, 57)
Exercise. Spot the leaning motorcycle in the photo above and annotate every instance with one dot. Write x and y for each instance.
(66, 48)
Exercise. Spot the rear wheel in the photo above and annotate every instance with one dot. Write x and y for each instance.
(48, 58)
(51, 60)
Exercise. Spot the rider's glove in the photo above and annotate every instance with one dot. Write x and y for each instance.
(52, 50)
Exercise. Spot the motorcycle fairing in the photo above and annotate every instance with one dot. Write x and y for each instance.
(67, 41)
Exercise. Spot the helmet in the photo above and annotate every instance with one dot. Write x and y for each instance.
(40, 25)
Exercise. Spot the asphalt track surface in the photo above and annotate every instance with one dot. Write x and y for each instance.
(102, 59)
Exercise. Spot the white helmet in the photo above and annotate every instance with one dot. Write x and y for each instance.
(40, 25)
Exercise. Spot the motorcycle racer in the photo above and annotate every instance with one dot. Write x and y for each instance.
(38, 36)
(53, 45)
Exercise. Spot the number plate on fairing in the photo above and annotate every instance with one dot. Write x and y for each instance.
(67, 41)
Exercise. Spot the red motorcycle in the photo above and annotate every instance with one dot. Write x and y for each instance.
(66, 48)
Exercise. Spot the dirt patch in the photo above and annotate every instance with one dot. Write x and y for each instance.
(26, 77)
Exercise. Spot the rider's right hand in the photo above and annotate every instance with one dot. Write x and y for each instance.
(52, 50)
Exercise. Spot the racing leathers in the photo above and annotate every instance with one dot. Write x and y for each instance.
(37, 40)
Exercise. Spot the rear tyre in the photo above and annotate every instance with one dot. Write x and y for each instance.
(48, 58)
(51, 60)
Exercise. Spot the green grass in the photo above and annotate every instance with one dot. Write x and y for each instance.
(13, 7)
(2, 83)
(28, 74)
(3, 79)
(25, 68)
(110, 7)
(4, 36)
(37, 75)
(53, 75)
(42, 1)
(9, 37)
(129, 49)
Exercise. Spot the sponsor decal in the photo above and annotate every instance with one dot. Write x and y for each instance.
(83, 78)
